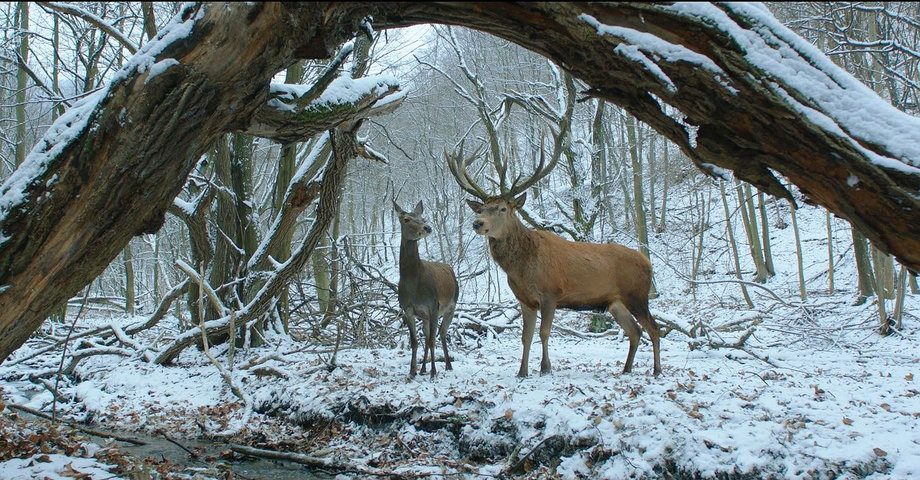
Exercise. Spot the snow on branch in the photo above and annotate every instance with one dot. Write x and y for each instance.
(638, 45)
(284, 118)
(812, 81)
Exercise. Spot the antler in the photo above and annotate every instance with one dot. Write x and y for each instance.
(457, 165)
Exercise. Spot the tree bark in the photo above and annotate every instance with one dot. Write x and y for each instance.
(124, 158)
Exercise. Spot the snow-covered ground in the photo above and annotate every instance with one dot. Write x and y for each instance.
(815, 393)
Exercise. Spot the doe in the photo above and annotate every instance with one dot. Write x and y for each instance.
(427, 290)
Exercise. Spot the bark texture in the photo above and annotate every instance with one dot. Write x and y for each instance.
(118, 176)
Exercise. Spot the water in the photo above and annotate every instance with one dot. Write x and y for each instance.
(159, 447)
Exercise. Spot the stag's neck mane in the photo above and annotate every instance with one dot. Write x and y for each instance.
(409, 260)
(517, 245)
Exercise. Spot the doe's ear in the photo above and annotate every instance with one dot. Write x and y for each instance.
(419, 208)
(476, 206)
(519, 201)
(397, 208)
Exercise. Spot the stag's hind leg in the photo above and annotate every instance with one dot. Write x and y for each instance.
(547, 312)
(654, 333)
(625, 320)
(445, 325)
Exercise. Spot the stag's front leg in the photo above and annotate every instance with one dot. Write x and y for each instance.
(547, 312)
(409, 318)
(530, 323)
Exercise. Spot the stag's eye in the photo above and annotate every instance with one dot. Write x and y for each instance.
(504, 209)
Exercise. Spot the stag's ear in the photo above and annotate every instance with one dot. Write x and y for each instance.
(397, 208)
(418, 208)
(476, 206)
(519, 201)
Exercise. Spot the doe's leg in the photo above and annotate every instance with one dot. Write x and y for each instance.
(427, 332)
(409, 318)
(429, 339)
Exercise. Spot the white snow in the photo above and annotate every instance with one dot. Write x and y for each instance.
(160, 67)
(852, 180)
(341, 91)
(54, 467)
(641, 43)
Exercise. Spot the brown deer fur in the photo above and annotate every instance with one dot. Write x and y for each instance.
(546, 271)
(427, 290)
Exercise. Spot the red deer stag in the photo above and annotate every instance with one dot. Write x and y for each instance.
(427, 290)
(546, 271)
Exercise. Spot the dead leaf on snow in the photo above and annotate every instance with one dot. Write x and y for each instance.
(847, 421)
(879, 452)
(69, 472)
(508, 414)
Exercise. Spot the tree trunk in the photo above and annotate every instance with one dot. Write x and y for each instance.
(129, 280)
(878, 261)
(22, 81)
(730, 231)
(765, 223)
(116, 178)
(286, 168)
(830, 253)
(803, 293)
(638, 195)
(864, 276)
(749, 223)
(665, 175)
(150, 24)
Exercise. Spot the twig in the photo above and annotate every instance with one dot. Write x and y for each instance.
(73, 324)
(520, 463)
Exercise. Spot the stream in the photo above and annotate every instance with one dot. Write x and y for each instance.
(248, 467)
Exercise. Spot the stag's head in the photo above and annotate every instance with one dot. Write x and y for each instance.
(495, 214)
(413, 226)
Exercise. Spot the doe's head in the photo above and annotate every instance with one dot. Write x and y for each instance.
(495, 214)
(413, 226)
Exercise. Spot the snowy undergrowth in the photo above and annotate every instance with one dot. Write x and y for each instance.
(819, 411)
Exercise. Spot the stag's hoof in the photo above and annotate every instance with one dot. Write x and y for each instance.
(522, 374)
(545, 372)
